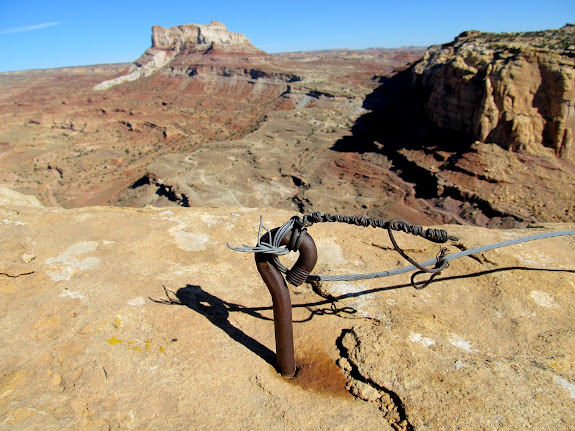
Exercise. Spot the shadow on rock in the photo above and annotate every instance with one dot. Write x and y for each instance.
(217, 311)
(397, 123)
(397, 120)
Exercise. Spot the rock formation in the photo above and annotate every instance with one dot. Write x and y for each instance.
(185, 40)
(142, 318)
(201, 38)
(513, 89)
(218, 122)
(482, 127)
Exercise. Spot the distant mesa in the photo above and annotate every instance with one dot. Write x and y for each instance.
(189, 39)
(201, 38)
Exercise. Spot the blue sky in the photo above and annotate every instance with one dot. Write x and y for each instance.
(44, 34)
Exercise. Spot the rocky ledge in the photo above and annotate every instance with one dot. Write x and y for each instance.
(143, 319)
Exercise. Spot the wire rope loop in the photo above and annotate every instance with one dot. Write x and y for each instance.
(399, 224)
(422, 284)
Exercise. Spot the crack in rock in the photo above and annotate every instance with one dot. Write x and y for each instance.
(16, 275)
(389, 402)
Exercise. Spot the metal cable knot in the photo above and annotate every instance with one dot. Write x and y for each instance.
(430, 234)
(435, 235)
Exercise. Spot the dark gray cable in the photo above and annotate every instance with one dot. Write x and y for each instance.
(436, 235)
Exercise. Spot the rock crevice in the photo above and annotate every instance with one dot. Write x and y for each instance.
(389, 403)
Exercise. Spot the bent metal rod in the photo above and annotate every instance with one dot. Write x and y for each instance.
(293, 236)
(277, 286)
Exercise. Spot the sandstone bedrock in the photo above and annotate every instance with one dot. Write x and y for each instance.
(142, 318)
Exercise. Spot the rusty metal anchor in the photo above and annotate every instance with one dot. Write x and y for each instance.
(278, 288)
(295, 238)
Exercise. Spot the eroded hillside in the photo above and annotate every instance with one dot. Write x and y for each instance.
(73, 142)
(479, 131)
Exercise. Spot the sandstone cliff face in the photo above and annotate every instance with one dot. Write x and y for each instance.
(513, 89)
(482, 127)
(198, 37)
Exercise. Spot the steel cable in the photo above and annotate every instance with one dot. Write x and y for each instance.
(430, 262)
(298, 226)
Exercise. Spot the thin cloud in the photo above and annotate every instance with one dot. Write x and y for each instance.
(30, 27)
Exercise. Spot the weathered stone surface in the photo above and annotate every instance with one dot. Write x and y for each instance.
(201, 38)
(513, 89)
(87, 346)
(490, 351)
(151, 61)
(97, 340)
(9, 197)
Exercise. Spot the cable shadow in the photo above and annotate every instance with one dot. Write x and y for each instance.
(217, 312)
(348, 310)
(453, 277)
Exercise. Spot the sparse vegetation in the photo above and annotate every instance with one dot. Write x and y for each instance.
(560, 40)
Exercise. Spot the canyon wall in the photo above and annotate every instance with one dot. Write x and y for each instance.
(513, 89)
(482, 127)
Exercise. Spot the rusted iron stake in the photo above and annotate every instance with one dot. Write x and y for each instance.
(281, 298)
